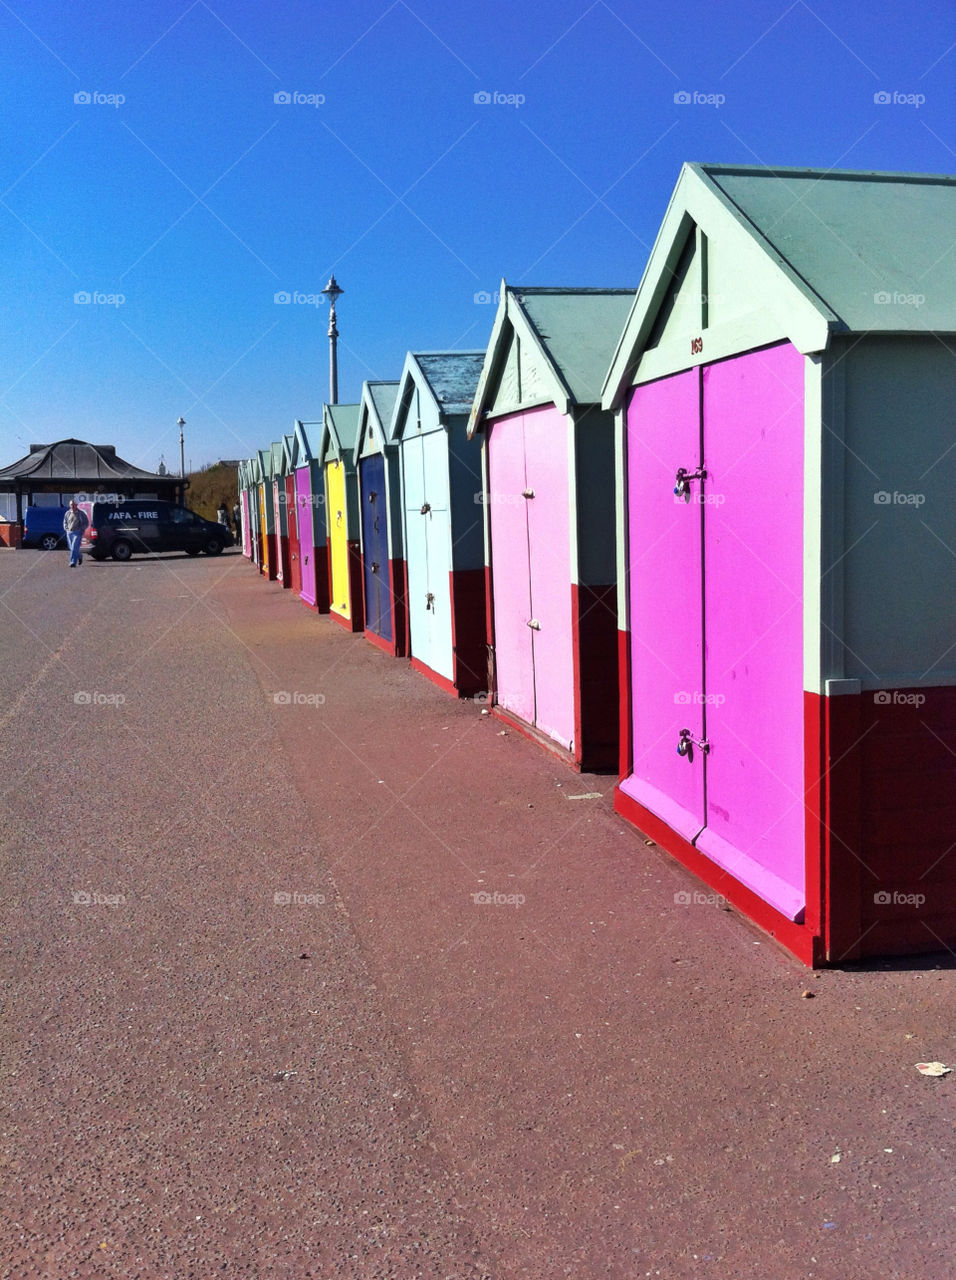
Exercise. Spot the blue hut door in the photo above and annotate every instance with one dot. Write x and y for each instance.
(378, 596)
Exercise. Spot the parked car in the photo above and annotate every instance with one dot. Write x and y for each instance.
(43, 527)
(144, 525)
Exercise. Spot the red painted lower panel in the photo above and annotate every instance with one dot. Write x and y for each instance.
(323, 581)
(533, 735)
(356, 586)
(597, 693)
(797, 938)
(271, 554)
(283, 573)
(467, 587)
(626, 746)
(433, 676)
(892, 822)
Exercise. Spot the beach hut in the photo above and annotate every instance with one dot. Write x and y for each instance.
(784, 390)
(279, 514)
(290, 453)
(549, 516)
(310, 518)
(336, 457)
(380, 523)
(444, 539)
(267, 526)
(244, 483)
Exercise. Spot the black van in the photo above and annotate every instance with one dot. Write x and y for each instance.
(144, 525)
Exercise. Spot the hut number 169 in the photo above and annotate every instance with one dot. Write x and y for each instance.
(696, 346)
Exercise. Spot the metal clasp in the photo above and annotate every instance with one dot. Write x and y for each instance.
(430, 601)
(687, 742)
(527, 493)
(534, 624)
(682, 485)
(426, 507)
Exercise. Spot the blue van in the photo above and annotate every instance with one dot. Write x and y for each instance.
(43, 527)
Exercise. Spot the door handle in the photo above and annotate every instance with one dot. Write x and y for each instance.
(374, 566)
(527, 493)
(430, 601)
(682, 484)
(687, 742)
(426, 507)
(534, 624)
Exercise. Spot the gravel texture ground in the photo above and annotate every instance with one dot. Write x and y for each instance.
(258, 1021)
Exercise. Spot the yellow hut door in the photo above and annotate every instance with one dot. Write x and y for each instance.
(264, 527)
(338, 538)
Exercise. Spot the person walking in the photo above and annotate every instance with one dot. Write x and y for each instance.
(75, 525)
(237, 522)
(222, 514)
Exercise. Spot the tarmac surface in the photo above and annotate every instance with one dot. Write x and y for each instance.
(260, 1020)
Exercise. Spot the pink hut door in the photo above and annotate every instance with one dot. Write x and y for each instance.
(753, 562)
(303, 500)
(511, 567)
(546, 439)
(665, 579)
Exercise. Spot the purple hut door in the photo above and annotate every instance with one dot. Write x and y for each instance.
(546, 440)
(511, 574)
(664, 564)
(753, 565)
(303, 502)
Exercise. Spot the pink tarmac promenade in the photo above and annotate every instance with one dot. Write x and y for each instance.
(260, 1018)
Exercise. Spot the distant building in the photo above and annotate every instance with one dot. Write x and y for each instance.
(52, 474)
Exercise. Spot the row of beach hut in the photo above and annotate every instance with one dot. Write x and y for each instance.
(701, 534)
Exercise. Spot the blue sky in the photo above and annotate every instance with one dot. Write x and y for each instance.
(427, 150)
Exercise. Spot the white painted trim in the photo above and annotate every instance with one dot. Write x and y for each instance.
(813, 537)
(734, 338)
(832, 426)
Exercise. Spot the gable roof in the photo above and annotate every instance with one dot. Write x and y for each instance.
(339, 429)
(290, 453)
(448, 378)
(75, 460)
(574, 331)
(305, 434)
(832, 251)
(375, 409)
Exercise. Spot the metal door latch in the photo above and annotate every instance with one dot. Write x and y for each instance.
(527, 493)
(372, 496)
(534, 624)
(338, 517)
(430, 601)
(375, 566)
(687, 742)
(682, 486)
(426, 507)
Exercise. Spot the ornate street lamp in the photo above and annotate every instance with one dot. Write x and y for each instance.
(333, 290)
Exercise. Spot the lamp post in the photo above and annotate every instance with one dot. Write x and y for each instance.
(180, 423)
(333, 290)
